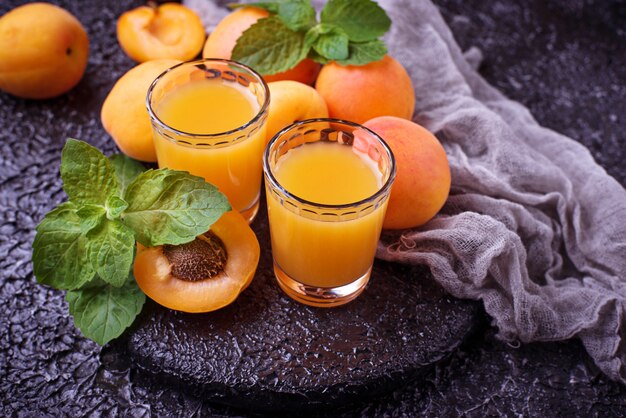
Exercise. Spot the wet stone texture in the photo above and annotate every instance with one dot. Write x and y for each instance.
(564, 60)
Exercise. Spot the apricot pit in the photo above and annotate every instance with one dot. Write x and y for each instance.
(205, 274)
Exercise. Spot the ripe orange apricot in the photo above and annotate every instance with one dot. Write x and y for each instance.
(167, 31)
(360, 93)
(222, 40)
(124, 114)
(205, 274)
(43, 51)
(290, 102)
(422, 172)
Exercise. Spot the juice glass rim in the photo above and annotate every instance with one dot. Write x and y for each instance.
(380, 192)
(179, 132)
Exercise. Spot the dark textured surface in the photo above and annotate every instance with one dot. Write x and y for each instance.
(564, 60)
(267, 351)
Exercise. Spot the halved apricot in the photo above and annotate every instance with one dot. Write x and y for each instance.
(205, 274)
(154, 32)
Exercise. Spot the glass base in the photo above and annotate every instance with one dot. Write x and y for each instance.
(250, 212)
(324, 297)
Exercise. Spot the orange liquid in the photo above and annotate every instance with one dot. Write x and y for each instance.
(210, 107)
(326, 252)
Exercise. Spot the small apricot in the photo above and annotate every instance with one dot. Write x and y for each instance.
(423, 177)
(124, 114)
(170, 30)
(43, 51)
(222, 40)
(205, 274)
(360, 93)
(291, 102)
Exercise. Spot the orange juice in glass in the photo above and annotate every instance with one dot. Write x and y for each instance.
(327, 184)
(208, 118)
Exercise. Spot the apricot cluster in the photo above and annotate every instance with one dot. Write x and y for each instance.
(211, 271)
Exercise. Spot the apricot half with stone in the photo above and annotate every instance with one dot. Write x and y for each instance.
(205, 274)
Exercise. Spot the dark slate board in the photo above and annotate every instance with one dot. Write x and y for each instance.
(565, 60)
(266, 351)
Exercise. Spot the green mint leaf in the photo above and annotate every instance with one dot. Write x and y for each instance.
(364, 52)
(317, 57)
(103, 313)
(115, 206)
(171, 207)
(298, 15)
(111, 250)
(126, 170)
(311, 36)
(88, 176)
(270, 47)
(60, 256)
(270, 6)
(332, 44)
(362, 20)
(90, 216)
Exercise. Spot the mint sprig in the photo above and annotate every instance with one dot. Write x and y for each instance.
(348, 33)
(87, 245)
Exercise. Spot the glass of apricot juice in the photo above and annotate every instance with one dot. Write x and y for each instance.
(208, 117)
(327, 184)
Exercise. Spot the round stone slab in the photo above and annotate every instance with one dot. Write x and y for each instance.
(266, 351)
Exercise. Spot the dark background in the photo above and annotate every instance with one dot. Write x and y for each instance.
(565, 60)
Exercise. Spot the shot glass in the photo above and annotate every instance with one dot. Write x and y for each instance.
(208, 117)
(323, 244)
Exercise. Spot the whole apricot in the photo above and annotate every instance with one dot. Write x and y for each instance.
(360, 93)
(205, 274)
(222, 40)
(43, 51)
(422, 172)
(291, 102)
(170, 30)
(124, 114)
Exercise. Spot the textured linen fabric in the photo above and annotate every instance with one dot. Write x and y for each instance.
(533, 227)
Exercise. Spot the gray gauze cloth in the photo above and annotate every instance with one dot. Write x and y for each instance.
(533, 226)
